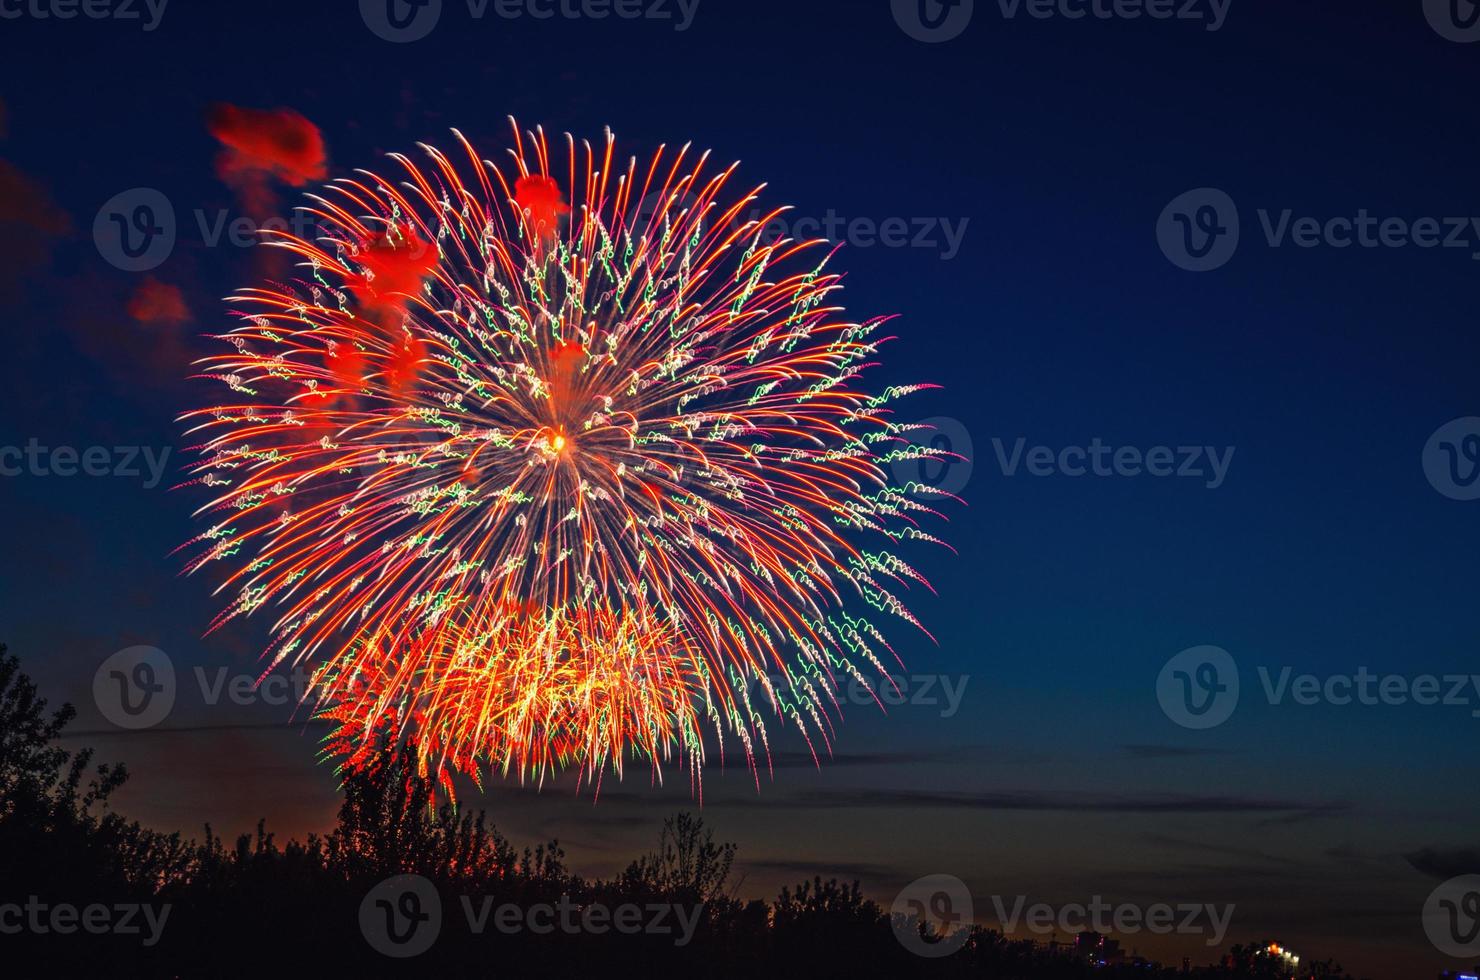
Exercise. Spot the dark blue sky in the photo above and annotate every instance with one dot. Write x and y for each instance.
(1056, 144)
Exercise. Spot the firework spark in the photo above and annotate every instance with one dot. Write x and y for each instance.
(537, 486)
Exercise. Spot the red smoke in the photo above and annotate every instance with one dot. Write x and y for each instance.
(541, 198)
(394, 268)
(157, 302)
(266, 142)
(403, 367)
(565, 361)
(260, 146)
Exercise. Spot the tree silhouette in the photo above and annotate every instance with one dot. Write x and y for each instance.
(255, 909)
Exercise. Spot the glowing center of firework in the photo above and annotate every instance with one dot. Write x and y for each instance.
(558, 442)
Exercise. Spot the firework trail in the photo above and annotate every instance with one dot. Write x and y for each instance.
(537, 485)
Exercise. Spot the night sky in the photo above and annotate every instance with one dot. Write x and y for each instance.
(1050, 148)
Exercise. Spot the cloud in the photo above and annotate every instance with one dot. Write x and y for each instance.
(1445, 863)
(30, 224)
(804, 760)
(1056, 802)
(1166, 751)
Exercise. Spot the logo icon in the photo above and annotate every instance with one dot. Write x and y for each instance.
(1454, 20)
(932, 915)
(135, 230)
(401, 916)
(644, 219)
(1199, 230)
(1199, 687)
(401, 21)
(135, 688)
(1451, 917)
(948, 471)
(933, 21)
(1451, 459)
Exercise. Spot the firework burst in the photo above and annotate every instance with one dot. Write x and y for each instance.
(536, 485)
